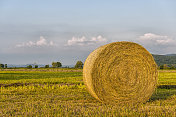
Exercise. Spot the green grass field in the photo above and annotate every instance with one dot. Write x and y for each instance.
(61, 92)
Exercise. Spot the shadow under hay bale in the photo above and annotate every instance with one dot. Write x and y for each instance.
(167, 86)
(163, 93)
(121, 73)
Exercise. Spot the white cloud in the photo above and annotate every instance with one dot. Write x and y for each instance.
(154, 39)
(84, 41)
(41, 42)
(158, 44)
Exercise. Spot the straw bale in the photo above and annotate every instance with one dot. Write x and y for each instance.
(123, 73)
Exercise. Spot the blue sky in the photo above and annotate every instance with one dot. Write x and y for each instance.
(43, 31)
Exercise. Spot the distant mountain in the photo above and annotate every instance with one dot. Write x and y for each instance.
(170, 55)
(39, 65)
(169, 59)
(23, 65)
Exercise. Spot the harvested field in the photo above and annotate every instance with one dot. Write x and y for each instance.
(64, 94)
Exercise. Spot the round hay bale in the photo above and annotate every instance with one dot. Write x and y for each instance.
(123, 73)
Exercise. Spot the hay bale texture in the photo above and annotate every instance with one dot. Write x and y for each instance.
(123, 73)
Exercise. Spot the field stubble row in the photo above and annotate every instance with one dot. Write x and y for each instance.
(51, 93)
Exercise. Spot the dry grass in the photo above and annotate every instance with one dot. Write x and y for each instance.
(43, 69)
(123, 73)
(63, 94)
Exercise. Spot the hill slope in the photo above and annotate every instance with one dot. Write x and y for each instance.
(165, 59)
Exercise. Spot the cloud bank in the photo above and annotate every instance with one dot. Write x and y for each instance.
(83, 41)
(158, 44)
(154, 39)
(40, 43)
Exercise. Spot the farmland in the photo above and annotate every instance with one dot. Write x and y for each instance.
(61, 92)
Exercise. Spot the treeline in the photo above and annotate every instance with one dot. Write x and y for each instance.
(163, 62)
(165, 59)
(79, 64)
(166, 66)
(3, 65)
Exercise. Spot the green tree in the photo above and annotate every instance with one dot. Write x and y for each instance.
(172, 67)
(29, 66)
(1, 65)
(161, 67)
(46, 66)
(79, 64)
(56, 64)
(36, 66)
(164, 66)
(5, 65)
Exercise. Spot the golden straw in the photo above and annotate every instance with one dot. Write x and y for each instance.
(123, 73)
